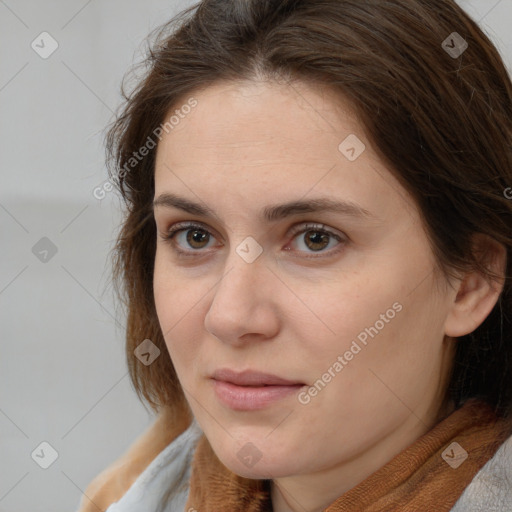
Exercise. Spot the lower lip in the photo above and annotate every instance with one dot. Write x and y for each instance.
(248, 398)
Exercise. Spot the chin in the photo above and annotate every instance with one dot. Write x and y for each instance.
(249, 462)
(259, 471)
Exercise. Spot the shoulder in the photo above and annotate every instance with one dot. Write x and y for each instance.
(112, 483)
(491, 488)
(107, 487)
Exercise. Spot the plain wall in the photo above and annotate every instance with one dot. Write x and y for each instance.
(63, 374)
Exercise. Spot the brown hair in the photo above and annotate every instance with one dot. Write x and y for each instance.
(441, 122)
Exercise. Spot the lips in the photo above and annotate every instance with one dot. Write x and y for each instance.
(252, 378)
(252, 390)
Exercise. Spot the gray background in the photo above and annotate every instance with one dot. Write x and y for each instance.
(62, 364)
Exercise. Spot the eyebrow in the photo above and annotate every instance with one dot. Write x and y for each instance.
(273, 212)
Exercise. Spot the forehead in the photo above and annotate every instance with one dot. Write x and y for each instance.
(260, 117)
(262, 140)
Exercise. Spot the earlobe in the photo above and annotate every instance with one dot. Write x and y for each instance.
(477, 294)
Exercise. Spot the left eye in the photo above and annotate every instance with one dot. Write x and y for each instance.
(316, 238)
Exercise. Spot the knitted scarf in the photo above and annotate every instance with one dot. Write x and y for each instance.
(430, 474)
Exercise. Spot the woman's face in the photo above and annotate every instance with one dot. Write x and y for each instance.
(341, 303)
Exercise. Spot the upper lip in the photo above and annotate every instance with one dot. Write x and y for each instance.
(251, 378)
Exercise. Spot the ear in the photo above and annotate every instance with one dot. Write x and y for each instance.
(476, 295)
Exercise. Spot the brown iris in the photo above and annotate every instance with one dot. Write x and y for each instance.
(316, 239)
(197, 236)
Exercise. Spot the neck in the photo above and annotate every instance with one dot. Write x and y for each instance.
(315, 492)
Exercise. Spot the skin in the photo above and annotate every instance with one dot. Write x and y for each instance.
(249, 145)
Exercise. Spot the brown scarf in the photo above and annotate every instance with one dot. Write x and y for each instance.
(418, 478)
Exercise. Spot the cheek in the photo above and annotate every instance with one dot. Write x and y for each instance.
(176, 305)
(346, 309)
(379, 317)
(174, 295)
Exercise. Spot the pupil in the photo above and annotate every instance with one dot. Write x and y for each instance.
(196, 237)
(317, 239)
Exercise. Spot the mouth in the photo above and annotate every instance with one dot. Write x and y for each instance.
(252, 390)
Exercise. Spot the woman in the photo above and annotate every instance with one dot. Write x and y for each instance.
(316, 261)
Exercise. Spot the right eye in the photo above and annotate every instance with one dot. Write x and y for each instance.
(187, 238)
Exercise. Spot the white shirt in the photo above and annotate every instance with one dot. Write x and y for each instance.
(491, 489)
(171, 465)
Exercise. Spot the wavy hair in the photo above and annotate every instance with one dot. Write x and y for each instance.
(441, 119)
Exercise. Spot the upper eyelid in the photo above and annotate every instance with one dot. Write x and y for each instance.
(186, 225)
(175, 226)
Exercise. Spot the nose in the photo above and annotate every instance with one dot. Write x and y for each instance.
(243, 305)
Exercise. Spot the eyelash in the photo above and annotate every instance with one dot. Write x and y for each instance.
(168, 237)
